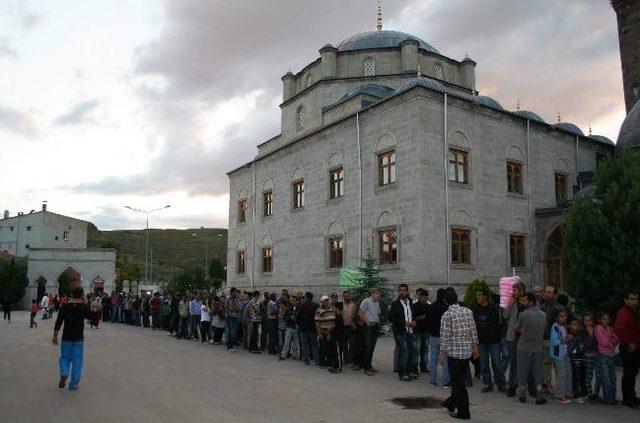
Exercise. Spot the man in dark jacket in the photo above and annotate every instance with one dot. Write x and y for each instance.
(307, 328)
(419, 310)
(488, 318)
(434, 316)
(401, 318)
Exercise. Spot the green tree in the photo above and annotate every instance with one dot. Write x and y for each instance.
(371, 279)
(475, 286)
(13, 279)
(217, 270)
(64, 283)
(601, 237)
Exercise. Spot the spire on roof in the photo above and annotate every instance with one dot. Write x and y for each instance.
(559, 118)
(419, 75)
(379, 18)
(518, 104)
(590, 131)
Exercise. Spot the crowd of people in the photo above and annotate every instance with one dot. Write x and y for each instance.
(514, 350)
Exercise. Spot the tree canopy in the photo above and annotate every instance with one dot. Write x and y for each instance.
(13, 278)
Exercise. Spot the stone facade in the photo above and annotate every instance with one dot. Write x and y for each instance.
(628, 13)
(421, 124)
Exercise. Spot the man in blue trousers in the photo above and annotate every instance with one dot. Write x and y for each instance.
(72, 315)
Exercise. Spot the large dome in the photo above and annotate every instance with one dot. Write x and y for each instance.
(381, 39)
(629, 136)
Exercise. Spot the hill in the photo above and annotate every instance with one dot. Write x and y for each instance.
(174, 250)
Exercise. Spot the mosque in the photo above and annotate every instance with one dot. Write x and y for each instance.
(387, 148)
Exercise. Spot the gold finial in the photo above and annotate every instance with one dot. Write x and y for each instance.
(379, 19)
(518, 105)
(419, 75)
(559, 119)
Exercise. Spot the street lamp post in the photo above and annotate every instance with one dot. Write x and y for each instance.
(146, 245)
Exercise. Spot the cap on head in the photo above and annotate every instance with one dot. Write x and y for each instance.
(324, 298)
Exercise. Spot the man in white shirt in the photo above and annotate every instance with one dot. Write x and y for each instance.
(403, 325)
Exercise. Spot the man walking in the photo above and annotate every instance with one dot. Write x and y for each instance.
(6, 308)
(72, 316)
(401, 318)
(369, 313)
(458, 343)
(628, 330)
(488, 317)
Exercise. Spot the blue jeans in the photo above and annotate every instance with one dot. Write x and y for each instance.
(504, 355)
(489, 350)
(404, 345)
(607, 375)
(232, 324)
(420, 352)
(370, 339)
(71, 355)
(434, 350)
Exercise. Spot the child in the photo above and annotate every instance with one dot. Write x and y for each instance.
(588, 336)
(575, 349)
(558, 354)
(607, 342)
(34, 311)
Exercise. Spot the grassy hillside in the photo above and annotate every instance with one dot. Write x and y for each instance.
(173, 249)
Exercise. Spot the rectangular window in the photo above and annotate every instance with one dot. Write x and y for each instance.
(336, 182)
(240, 262)
(267, 203)
(298, 194)
(267, 257)
(460, 246)
(387, 168)
(561, 188)
(458, 166)
(388, 246)
(516, 250)
(65, 235)
(242, 211)
(514, 177)
(336, 246)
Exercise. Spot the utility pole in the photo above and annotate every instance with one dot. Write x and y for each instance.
(146, 245)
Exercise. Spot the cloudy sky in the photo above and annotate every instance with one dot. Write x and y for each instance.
(145, 103)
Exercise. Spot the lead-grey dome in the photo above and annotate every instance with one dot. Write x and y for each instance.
(423, 82)
(381, 39)
(487, 101)
(376, 90)
(569, 127)
(602, 139)
(528, 114)
(629, 136)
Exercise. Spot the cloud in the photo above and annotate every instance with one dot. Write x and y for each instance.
(549, 55)
(78, 113)
(31, 21)
(18, 122)
(6, 50)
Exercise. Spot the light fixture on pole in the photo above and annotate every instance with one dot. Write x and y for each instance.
(146, 245)
(206, 253)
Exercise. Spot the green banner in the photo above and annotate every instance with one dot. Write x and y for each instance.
(350, 277)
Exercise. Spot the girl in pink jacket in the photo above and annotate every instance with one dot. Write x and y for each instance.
(607, 342)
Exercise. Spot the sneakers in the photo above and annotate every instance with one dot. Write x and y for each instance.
(369, 372)
(63, 380)
(405, 378)
(522, 398)
(232, 350)
(541, 401)
(579, 401)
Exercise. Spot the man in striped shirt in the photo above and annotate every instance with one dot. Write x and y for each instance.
(458, 343)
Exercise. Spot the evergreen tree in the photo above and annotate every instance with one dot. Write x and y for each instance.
(470, 294)
(371, 279)
(601, 237)
(13, 279)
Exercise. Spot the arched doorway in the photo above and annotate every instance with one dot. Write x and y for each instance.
(553, 260)
(68, 280)
(41, 284)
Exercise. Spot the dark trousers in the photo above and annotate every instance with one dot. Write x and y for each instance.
(145, 319)
(347, 344)
(578, 378)
(155, 319)
(309, 346)
(327, 350)
(272, 336)
(231, 326)
(217, 334)
(184, 327)
(630, 362)
(7, 313)
(106, 314)
(253, 336)
(458, 369)
(404, 347)
(204, 330)
(33, 323)
(264, 330)
(194, 322)
(370, 339)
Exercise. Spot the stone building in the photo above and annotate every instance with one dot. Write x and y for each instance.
(386, 147)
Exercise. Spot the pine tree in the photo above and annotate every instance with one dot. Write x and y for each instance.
(371, 279)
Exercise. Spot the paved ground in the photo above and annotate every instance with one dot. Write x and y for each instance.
(144, 376)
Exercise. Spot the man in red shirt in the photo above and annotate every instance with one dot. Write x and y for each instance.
(628, 330)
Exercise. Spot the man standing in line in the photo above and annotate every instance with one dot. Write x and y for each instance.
(194, 316)
(231, 312)
(401, 318)
(347, 340)
(369, 313)
(272, 325)
(307, 327)
(531, 326)
(72, 316)
(255, 318)
(511, 316)
(628, 330)
(550, 307)
(421, 333)
(458, 343)
(154, 306)
(325, 324)
(488, 317)
(434, 317)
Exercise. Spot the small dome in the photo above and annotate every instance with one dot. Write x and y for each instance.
(376, 90)
(569, 127)
(488, 101)
(602, 139)
(423, 82)
(381, 39)
(527, 114)
(629, 136)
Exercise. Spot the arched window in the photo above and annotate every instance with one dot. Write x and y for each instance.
(369, 66)
(301, 118)
(437, 71)
(310, 80)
